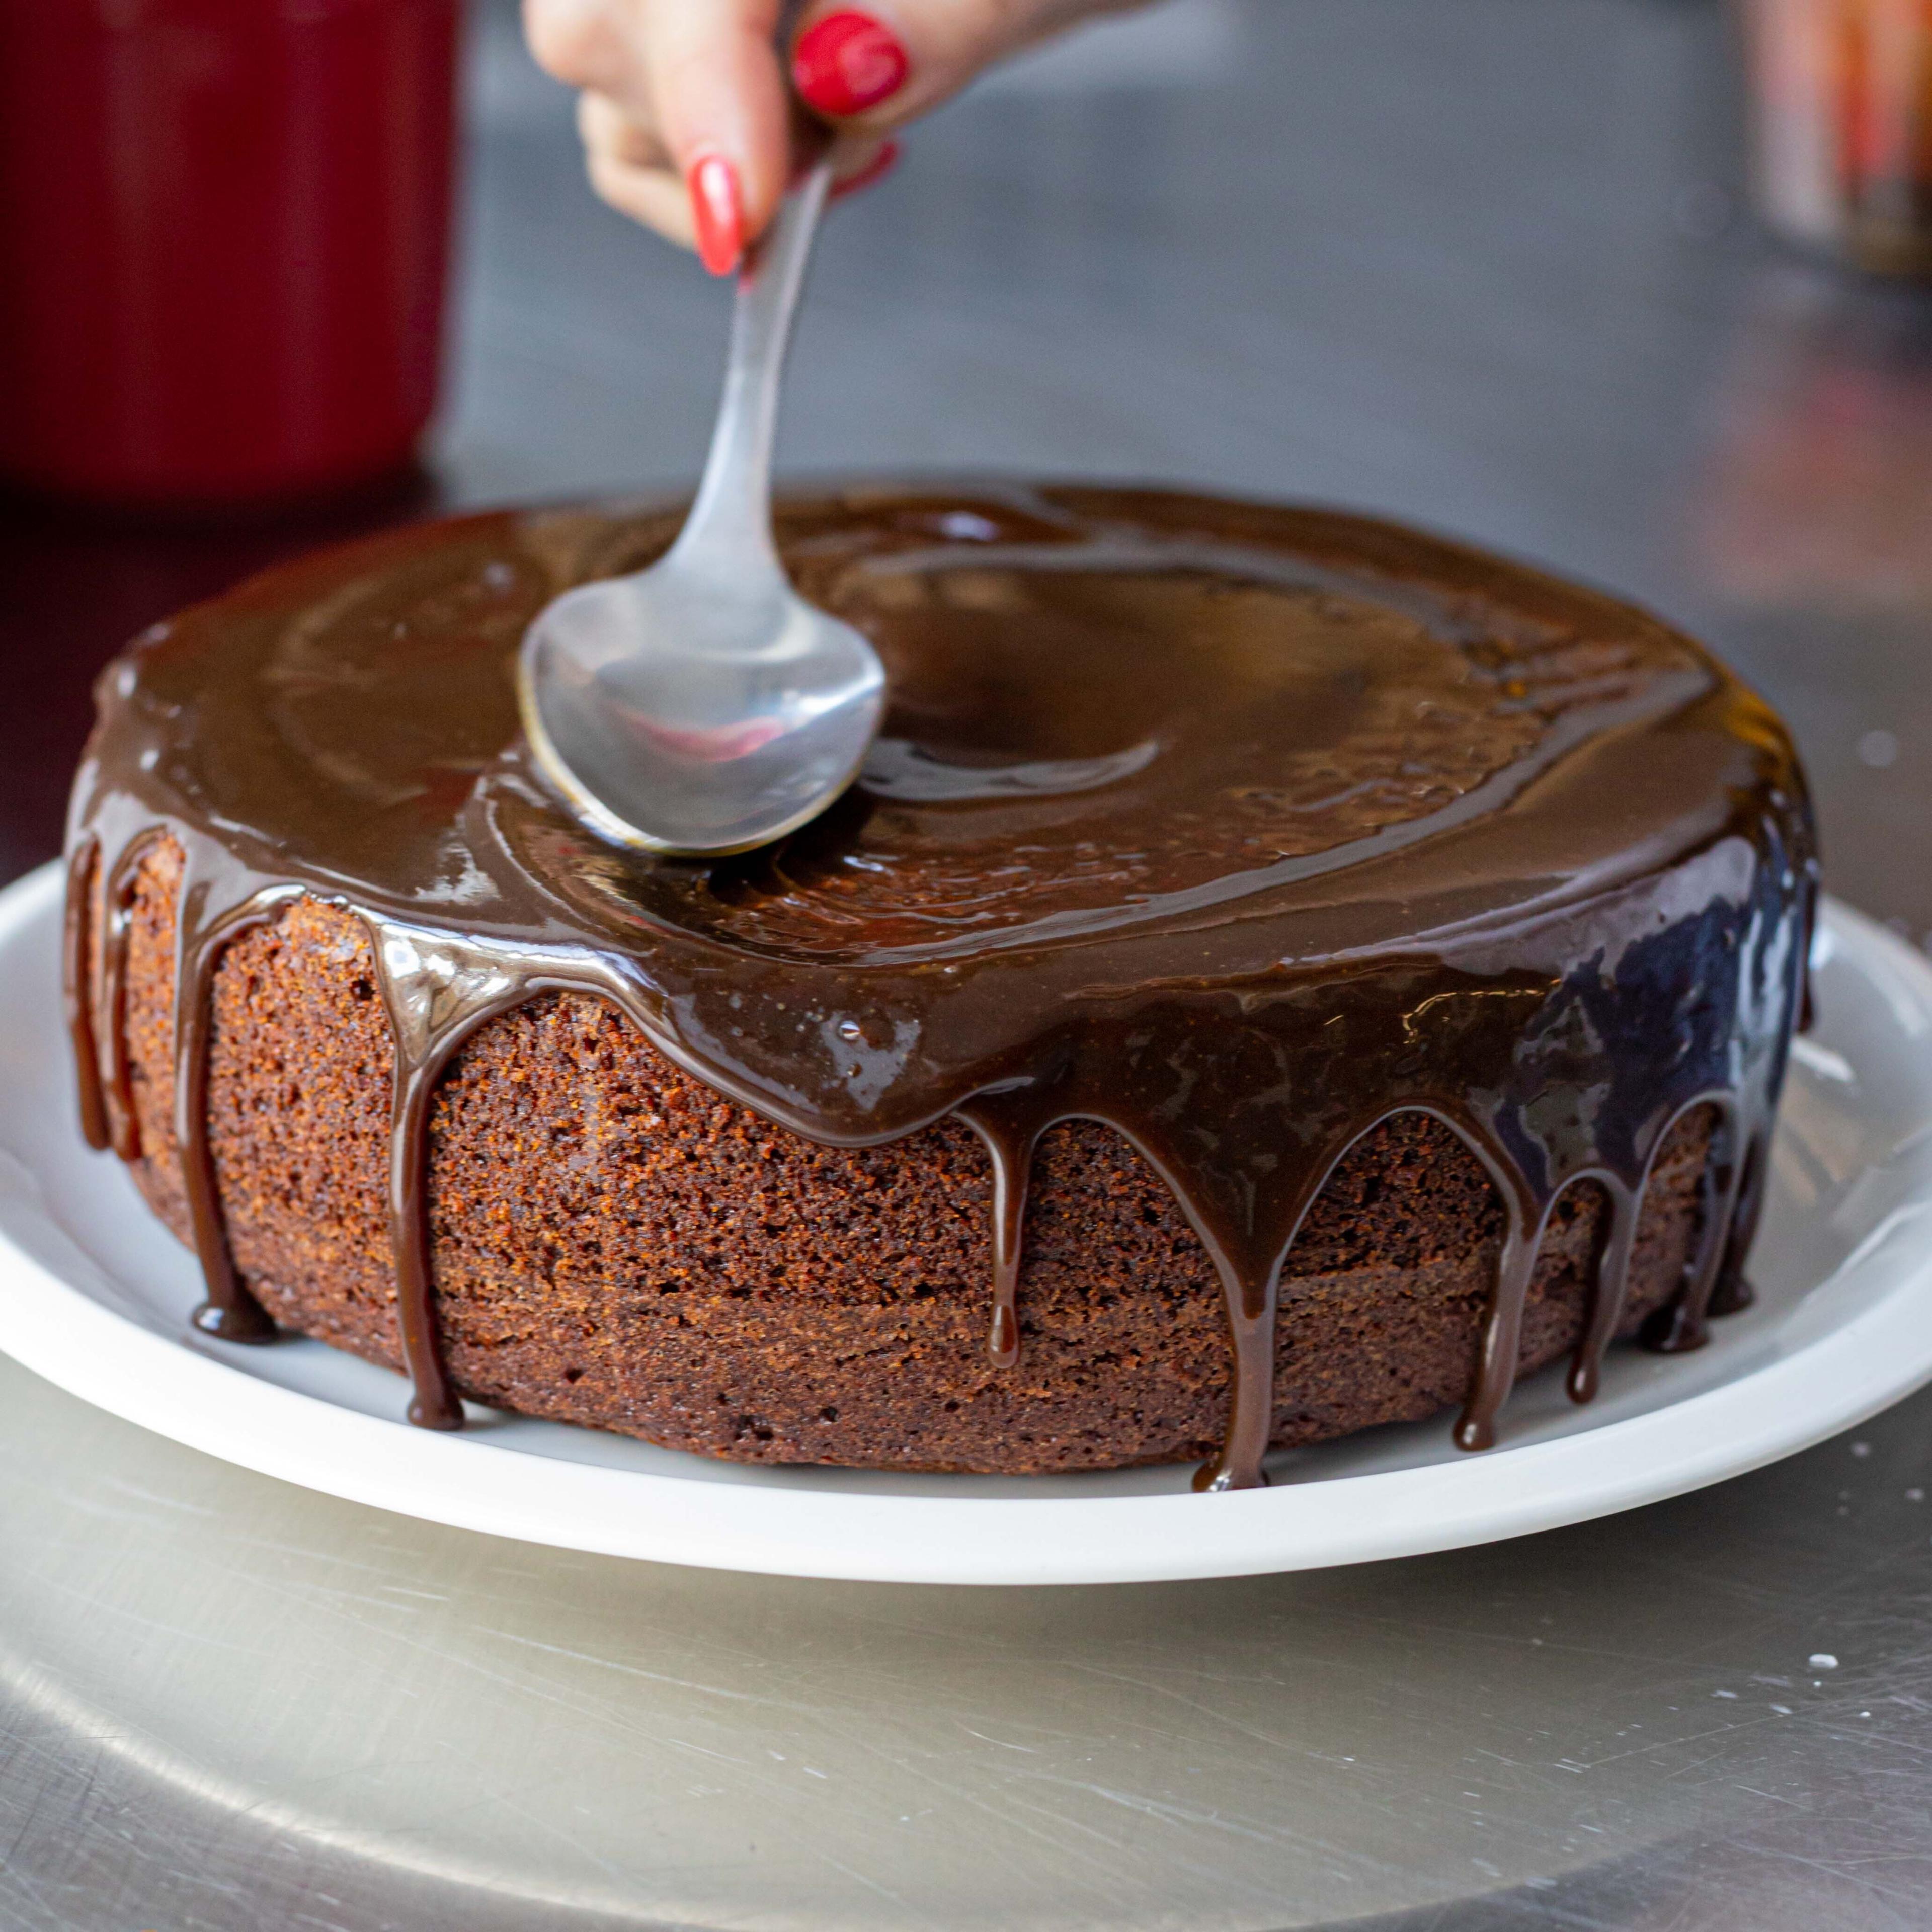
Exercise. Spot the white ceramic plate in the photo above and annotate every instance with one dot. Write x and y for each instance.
(95, 1295)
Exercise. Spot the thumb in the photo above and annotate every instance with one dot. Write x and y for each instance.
(881, 63)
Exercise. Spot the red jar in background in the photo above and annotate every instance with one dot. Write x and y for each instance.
(224, 234)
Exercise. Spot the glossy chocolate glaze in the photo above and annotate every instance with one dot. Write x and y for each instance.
(1237, 828)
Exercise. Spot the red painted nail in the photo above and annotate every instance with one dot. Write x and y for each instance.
(879, 165)
(847, 62)
(718, 212)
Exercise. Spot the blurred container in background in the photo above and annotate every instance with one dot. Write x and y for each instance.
(1842, 100)
(224, 234)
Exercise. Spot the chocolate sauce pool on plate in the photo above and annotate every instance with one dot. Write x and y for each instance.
(1239, 829)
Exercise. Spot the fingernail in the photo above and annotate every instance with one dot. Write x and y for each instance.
(718, 211)
(880, 164)
(847, 62)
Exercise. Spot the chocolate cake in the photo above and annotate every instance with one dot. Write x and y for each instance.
(1278, 974)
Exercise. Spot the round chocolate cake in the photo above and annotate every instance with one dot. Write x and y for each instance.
(1278, 974)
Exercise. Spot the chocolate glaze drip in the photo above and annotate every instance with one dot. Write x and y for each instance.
(1009, 1145)
(76, 994)
(1237, 828)
(230, 1312)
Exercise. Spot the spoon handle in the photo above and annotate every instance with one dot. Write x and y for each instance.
(730, 525)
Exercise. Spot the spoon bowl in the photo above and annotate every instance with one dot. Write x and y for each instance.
(702, 706)
(664, 729)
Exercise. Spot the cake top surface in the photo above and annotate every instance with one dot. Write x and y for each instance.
(1109, 711)
(1134, 739)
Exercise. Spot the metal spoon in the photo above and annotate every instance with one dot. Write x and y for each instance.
(702, 705)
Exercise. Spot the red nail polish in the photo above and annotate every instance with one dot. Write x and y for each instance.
(879, 166)
(719, 212)
(847, 62)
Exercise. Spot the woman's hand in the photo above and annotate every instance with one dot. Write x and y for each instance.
(689, 125)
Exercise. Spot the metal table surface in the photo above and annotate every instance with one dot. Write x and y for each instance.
(1474, 261)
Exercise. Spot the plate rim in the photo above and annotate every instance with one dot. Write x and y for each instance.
(1830, 1382)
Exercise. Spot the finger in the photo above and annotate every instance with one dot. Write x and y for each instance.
(587, 43)
(656, 196)
(719, 100)
(880, 65)
(611, 131)
(631, 168)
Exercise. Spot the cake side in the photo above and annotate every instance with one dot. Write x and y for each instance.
(614, 1243)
